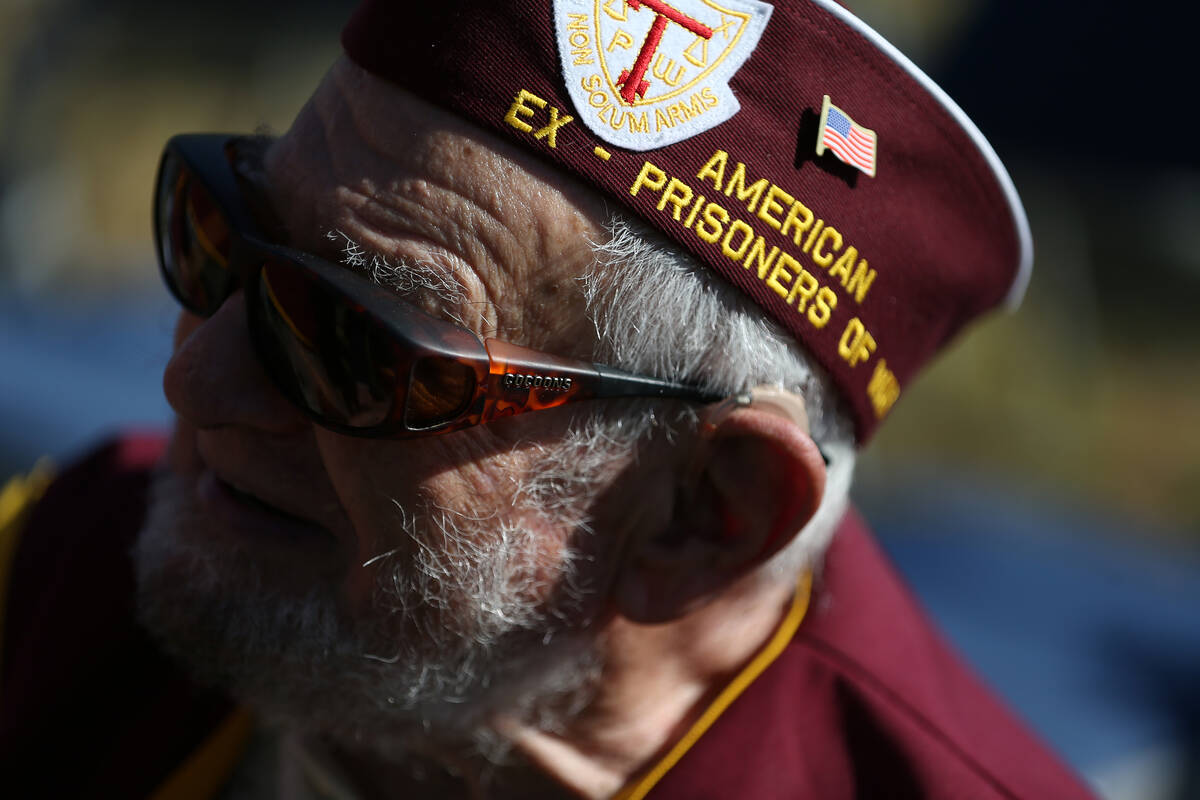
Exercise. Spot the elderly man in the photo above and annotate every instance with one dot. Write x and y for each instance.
(409, 521)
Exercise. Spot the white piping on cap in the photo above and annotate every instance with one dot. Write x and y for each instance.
(1025, 264)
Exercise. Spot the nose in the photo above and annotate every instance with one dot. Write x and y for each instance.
(214, 378)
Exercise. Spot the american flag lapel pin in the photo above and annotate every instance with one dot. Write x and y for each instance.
(849, 141)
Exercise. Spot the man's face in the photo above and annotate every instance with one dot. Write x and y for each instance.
(305, 566)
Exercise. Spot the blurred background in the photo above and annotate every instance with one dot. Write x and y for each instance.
(1040, 485)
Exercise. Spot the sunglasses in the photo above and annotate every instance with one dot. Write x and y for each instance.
(353, 356)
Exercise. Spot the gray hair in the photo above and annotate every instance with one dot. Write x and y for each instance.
(659, 312)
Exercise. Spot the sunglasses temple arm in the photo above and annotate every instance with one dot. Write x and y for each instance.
(523, 380)
(613, 382)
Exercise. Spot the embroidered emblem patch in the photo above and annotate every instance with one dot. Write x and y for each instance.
(648, 73)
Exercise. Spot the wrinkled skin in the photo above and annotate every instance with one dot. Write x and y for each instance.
(412, 184)
(406, 595)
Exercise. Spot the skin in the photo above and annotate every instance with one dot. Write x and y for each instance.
(678, 603)
(414, 184)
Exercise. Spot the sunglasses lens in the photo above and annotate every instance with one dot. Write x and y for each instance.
(439, 391)
(193, 239)
(322, 349)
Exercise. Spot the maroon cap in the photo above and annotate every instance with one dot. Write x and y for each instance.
(789, 147)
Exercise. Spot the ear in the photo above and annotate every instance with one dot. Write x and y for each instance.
(757, 479)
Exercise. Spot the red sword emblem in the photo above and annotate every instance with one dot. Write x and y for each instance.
(633, 82)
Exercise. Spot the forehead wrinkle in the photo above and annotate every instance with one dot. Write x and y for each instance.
(494, 243)
(491, 223)
(387, 232)
(489, 241)
(545, 247)
(430, 199)
(513, 221)
(510, 212)
(422, 172)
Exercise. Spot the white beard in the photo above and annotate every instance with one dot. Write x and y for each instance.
(455, 639)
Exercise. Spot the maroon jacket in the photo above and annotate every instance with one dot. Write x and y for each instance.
(88, 705)
(866, 701)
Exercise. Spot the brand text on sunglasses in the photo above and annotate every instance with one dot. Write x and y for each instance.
(536, 382)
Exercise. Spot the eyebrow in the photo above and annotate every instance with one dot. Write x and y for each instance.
(405, 278)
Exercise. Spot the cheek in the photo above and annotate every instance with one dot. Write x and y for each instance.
(181, 449)
(386, 487)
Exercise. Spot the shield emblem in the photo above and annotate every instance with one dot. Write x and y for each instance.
(644, 74)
